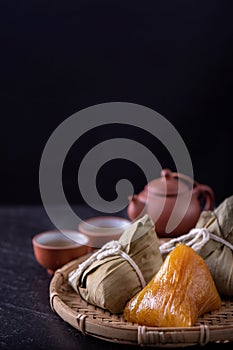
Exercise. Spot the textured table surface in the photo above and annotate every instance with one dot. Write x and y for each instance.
(26, 319)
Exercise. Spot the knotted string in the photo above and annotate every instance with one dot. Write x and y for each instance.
(109, 249)
(196, 238)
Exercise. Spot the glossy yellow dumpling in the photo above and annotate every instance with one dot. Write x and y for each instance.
(182, 290)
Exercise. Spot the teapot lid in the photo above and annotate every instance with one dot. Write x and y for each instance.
(167, 184)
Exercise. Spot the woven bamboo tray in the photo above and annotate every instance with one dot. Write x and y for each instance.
(90, 320)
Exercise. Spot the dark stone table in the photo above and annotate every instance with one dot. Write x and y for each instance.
(26, 319)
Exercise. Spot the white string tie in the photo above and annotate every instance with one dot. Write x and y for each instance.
(109, 249)
(196, 239)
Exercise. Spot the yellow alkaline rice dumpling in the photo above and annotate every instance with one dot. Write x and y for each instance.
(182, 290)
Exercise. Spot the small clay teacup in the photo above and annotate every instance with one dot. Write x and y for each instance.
(102, 229)
(53, 249)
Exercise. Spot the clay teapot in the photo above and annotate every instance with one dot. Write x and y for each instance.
(159, 197)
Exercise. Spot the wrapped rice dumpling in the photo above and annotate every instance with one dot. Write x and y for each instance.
(212, 239)
(112, 275)
(182, 290)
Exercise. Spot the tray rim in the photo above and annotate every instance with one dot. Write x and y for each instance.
(123, 332)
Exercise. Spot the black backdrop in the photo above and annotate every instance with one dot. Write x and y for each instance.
(58, 57)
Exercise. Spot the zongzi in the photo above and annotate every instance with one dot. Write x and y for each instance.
(212, 239)
(182, 290)
(112, 275)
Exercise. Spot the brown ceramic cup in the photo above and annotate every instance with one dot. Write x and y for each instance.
(53, 249)
(102, 229)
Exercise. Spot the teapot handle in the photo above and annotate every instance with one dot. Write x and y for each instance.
(208, 195)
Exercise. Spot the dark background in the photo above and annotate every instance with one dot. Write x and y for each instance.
(58, 57)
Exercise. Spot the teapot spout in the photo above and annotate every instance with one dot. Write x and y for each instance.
(136, 207)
